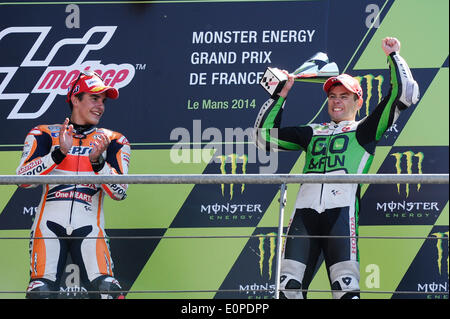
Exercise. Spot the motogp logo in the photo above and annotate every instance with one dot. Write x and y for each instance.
(55, 80)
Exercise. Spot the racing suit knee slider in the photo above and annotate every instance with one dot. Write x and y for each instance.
(345, 287)
(290, 288)
(41, 288)
(108, 287)
(291, 278)
(344, 278)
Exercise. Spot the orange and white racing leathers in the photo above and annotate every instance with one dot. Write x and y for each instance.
(67, 211)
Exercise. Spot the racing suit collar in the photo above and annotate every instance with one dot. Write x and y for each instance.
(341, 123)
(82, 129)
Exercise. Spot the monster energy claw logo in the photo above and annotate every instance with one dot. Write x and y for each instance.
(369, 87)
(440, 249)
(409, 155)
(234, 165)
(263, 251)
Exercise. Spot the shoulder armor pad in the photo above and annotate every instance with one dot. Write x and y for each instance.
(409, 88)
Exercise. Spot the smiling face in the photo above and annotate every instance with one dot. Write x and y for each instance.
(342, 104)
(89, 109)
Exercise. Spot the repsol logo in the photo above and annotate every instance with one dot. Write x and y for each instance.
(80, 150)
(119, 189)
(330, 150)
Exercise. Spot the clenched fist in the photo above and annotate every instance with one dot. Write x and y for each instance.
(390, 45)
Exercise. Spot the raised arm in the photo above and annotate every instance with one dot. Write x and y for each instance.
(269, 135)
(404, 91)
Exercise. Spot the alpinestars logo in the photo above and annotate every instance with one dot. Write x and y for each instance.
(55, 80)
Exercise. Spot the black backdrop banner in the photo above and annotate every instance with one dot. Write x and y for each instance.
(188, 74)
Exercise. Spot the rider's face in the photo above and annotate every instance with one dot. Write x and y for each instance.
(89, 110)
(342, 105)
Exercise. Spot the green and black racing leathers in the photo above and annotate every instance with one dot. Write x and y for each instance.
(347, 147)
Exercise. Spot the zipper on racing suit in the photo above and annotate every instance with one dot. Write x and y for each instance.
(335, 126)
(69, 228)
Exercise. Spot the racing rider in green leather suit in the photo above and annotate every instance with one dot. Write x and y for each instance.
(342, 146)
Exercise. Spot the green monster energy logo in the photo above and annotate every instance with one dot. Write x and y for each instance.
(409, 155)
(234, 165)
(370, 78)
(262, 252)
(440, 250)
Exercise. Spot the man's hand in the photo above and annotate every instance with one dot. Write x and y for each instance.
(390, 45)
(288, 85)
(65, 137)
(100, 145)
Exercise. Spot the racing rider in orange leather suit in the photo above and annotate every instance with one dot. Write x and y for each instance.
(68, 212)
